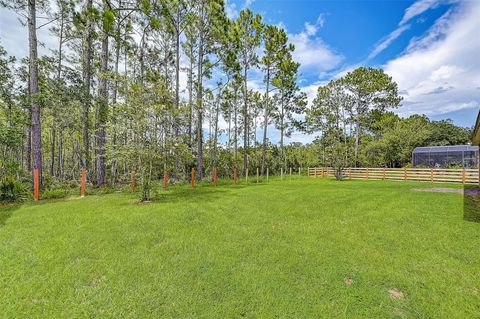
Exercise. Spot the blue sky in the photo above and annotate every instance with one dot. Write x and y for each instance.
(431, 48)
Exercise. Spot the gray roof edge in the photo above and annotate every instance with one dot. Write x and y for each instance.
(422, 149)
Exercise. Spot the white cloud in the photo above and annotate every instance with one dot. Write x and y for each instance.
(231, 9)
(440, 72)
(411, 12)
(248, 3)
(311, 29)
(433, 34)
(386, 41)
(281, 25)
(418, 8)
(311, 51)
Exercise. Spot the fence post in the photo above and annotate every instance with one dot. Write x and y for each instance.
(350, 173)
(367, 173)
(290, 172)
(267, 174)
(165, 179)
(36, 185)
(235, 174)
(132, 182)
(246, 175)
(281, 173)
(404, 174)
(257, 174)
(308, 171)
(82, 187)
(193, 177)
(384, 173)
(464, 176)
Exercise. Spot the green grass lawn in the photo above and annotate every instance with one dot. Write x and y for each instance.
(276, 250)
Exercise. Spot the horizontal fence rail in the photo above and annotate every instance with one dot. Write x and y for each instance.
(441, 175)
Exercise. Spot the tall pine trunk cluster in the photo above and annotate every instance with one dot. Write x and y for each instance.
(130, 88)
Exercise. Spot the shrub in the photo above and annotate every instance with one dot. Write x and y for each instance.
(11, 189)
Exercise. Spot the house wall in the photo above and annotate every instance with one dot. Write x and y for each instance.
(476, 138)
(476, 134)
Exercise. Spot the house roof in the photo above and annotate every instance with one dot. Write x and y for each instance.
(476, 132)
(446, 149)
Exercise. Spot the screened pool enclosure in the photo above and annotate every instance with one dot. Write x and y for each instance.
(446, 156)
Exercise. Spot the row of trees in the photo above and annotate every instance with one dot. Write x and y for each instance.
(110, 95)
(357, 128)
(161, 85)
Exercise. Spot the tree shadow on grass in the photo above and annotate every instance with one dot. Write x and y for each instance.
(200, 193)
(185, 194)
(471, 204)
(6, 212)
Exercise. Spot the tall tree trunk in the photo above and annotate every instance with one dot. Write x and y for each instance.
(102, 113)
(265, 123)
(52, 153)
(190, 101)
(114, 102)
(357, 134)
(142, 52)
(60, 154)
(282, 155)
(229, 140)
(59, 74)
(34, 89)
(245, 120)
(215, 132)
(87, 78)
(176, 116)
(177, 78)
(235, 133)
(199, 112)
(28, 147)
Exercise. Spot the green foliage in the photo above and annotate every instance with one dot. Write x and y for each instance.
(378, 137)
(108, 20)
(11, 189)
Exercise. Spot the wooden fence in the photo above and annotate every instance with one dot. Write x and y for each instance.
(434, 175)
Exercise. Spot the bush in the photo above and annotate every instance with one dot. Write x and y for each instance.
(11, 189)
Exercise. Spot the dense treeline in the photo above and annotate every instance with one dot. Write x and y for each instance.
(156, 85)
(357, 129)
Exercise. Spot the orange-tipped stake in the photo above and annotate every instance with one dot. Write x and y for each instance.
(82, 188)
(165, 180)
(193, 177)
(132, 185)
(36, 185)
